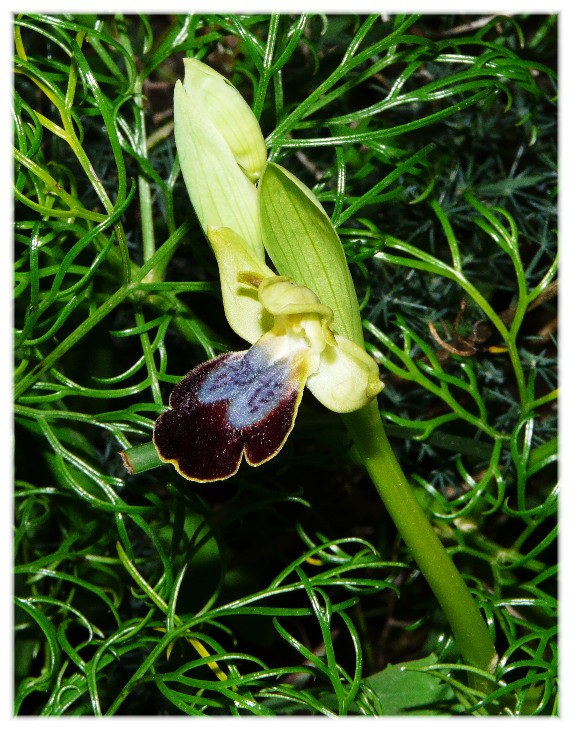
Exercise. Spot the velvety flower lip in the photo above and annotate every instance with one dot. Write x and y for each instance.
(237, 404)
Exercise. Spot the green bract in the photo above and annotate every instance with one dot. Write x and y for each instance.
(303, 244)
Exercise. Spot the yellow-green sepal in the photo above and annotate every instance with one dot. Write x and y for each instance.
(303, 244)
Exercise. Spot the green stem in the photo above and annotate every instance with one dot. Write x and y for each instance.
(145, 194)
(141, 458)
(470, 630)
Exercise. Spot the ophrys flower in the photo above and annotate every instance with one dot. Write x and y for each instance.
(245, 403)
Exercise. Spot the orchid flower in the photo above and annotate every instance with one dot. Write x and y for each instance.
(245, 403)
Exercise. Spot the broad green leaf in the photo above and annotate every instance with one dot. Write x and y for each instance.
(403, 689)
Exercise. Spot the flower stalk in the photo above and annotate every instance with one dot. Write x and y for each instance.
(471, 633)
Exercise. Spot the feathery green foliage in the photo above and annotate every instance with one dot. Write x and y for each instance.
(285, 591)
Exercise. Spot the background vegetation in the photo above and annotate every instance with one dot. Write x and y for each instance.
(287, 590)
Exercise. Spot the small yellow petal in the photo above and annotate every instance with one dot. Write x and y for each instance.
(282, 297)
(244, 312)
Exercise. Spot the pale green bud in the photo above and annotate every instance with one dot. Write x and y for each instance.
(221, 151)
(226, 108)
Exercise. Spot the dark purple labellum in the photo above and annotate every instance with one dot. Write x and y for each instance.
(237, 403)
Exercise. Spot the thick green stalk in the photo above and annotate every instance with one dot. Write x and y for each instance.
(470, 630)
